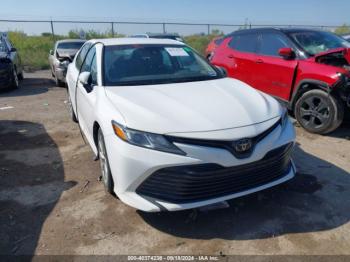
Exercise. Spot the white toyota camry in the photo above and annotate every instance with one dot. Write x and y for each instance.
(170, 130)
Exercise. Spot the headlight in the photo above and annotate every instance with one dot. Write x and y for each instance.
(284, 117)
(145, 139)
(63, 64)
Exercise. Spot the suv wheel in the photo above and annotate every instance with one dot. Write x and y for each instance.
(105, 169)
(319, 112)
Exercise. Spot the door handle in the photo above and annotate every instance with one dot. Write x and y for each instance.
(230, 56)
(259, 61)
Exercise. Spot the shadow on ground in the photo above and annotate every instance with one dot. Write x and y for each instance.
(31, 182)
(30, 87)
(316, 200)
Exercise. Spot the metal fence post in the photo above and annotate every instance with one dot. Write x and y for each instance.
(52, 31)
(164, 31)
(112, 29)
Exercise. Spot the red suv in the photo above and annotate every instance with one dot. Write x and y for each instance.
(308, 70)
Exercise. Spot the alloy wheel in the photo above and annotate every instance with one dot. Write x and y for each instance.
(314, 112)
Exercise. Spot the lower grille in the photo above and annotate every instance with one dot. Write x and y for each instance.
(183, 184)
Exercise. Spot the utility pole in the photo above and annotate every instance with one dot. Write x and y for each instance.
(52, 31)
(112, 29)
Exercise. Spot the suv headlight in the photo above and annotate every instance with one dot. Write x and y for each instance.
(284, 117)
(145, 139)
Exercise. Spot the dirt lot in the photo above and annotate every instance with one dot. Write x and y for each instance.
(51, 201)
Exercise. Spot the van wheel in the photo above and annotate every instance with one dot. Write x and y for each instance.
(104, 164)
(319, 112)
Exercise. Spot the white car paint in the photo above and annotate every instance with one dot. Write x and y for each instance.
(222, 109)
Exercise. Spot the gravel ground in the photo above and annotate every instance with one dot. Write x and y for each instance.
(52, 202)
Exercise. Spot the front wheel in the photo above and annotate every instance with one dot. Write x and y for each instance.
(71, 110)
(104, 164)
(319, 112)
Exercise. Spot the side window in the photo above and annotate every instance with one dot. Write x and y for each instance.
(86, 67)
(271, 43)
(94, 71)
(244, 43)
(81, 56)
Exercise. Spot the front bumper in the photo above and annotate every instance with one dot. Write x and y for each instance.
(132, 167)
(61, 73)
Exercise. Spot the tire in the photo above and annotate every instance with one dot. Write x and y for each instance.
(71, 111)
(15, 81)
(20, 76)
(104, 164)
(319, 112)
(59, 83)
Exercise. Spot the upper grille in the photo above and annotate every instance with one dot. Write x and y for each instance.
(228, 145)
(183, 184)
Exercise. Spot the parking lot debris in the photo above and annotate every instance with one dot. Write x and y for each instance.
(45, 104)
(86, 185)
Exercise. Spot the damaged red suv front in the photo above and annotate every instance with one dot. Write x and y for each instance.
(308, 70)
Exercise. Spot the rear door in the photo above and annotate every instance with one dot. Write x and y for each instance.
(241, 56)
(273, 74)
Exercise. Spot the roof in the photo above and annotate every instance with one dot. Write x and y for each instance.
(71, 41)
(270, 29)
(135, 41)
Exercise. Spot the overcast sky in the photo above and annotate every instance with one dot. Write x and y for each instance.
(300, 12)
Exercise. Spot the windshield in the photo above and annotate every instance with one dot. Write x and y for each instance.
(154, 64)
(70, 45)
(314, 42)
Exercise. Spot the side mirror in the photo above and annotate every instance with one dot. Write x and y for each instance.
(286, 53)
(85, 80)
(222, 70)
(13, 50)
(51, 52)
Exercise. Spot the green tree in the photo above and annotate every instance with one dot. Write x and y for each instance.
(342, 30)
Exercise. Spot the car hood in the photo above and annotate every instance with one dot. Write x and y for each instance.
(70, 53)
(192, 107)
(344, 51)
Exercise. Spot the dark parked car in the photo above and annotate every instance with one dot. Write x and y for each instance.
(61, 56)
(308, 70)
(10, 64)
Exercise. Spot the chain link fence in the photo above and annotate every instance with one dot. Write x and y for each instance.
(115, 28)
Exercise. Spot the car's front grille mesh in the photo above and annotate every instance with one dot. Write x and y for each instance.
(193, 183)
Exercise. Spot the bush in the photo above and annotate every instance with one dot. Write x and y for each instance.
(33, 50)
